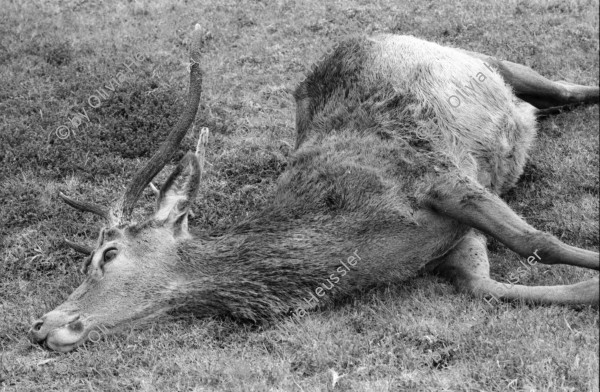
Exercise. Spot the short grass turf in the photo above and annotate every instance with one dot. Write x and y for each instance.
(421, 336)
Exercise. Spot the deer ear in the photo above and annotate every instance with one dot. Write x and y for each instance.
(178, 193)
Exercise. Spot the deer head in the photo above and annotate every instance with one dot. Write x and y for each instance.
(112, 292)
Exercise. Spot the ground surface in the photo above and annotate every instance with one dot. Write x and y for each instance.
(420, 337)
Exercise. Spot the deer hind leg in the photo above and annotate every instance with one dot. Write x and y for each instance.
(466, 201)
(467, 267)
(535, 89)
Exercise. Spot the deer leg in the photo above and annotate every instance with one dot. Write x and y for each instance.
(535, 89)
(466, 201)
(467, 267)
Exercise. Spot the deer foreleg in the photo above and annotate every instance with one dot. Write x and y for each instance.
(464, 200)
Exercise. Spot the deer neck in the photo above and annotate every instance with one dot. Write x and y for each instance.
(258, 275)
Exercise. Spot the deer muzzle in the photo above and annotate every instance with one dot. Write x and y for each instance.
(59, 331)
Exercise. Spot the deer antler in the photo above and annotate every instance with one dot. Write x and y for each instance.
(86, 250)
(169, 146)
(88, 207)
(160, 158)
(201, 148)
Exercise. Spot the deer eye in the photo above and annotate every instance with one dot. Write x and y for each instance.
(109, 255)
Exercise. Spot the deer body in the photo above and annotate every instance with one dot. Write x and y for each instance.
(372, 135)
(395, 135)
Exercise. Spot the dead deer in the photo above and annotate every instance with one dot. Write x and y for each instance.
(403, 148)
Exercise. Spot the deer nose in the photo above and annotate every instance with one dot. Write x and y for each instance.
(37, 333)
(40, 328)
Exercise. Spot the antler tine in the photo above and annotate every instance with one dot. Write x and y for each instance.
(87, 206)
(78, 248)
(169, 146)
(201, 148)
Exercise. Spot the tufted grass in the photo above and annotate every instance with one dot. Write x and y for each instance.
(422, 336)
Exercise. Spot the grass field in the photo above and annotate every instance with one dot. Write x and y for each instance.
(422, 336)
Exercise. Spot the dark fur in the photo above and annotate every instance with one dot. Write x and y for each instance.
(351, 185)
